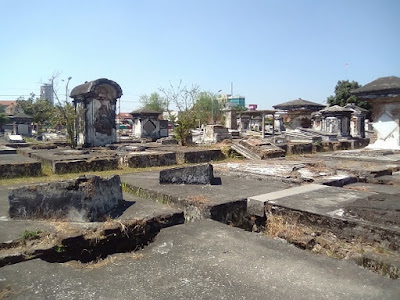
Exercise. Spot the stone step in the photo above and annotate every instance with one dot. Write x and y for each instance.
(245, 152)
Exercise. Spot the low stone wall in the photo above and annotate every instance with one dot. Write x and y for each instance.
(81, 165)
(142, 160)
(299, 148)
(86, 198)
(199, 156)
(20, 169)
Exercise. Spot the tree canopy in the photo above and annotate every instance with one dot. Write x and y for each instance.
(193, 106)
(206, 108)
(40, 110)
(154, 102)
(343, 95)
(3, 116)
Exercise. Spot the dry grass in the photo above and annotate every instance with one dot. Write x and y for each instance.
(289, 228)
(286, 227)
(358, 188)
(199, 199)
(111, 259)
(6, 292)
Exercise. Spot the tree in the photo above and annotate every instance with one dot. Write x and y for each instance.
(3, 116)
(207, 108)
(183, 98)
(65, 114)
(154, 102)
(343, 95)
(40, 110)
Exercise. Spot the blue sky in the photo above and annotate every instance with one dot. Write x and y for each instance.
(272, 51)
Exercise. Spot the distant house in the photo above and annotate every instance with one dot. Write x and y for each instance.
(9, 105)
(297, 113)
(384, 96)
(18, 122)
(124, 121)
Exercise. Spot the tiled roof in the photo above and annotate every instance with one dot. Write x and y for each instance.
(8, 102)
(145, 111)
(89, 87)
(336, 108)
(380, 84)
(297, 103)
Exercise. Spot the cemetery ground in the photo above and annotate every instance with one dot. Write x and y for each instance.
(320, 226)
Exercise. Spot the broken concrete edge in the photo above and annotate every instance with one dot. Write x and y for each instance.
(91, 244)
(86, 198)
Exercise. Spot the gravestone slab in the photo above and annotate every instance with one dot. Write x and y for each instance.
(199, 174)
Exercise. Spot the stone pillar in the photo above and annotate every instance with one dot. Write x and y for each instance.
(263, 125)
(230, 119)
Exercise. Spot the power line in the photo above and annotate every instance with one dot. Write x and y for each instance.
(14, 95)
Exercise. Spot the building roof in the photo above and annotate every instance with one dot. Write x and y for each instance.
(21, 115)
(145, 111)
(124, 115)
(298, 104)
(89, 87)
(381, 84)
(354, 107)
(336, 108)
(8, 102)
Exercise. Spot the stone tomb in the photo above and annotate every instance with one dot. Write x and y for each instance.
(95, 104)
(86, 198)
(147, 124)
(384, 96)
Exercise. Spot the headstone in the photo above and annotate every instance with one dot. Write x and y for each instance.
(199, 174)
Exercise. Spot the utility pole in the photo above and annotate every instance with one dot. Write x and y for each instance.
(212, 106)
(66, 89)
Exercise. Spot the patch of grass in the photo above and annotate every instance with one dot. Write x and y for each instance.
(30, 235)
(60, 249)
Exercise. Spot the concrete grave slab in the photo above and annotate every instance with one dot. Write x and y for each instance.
(15, 165)
(256, 204)
(312, 198)
(202, 201)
